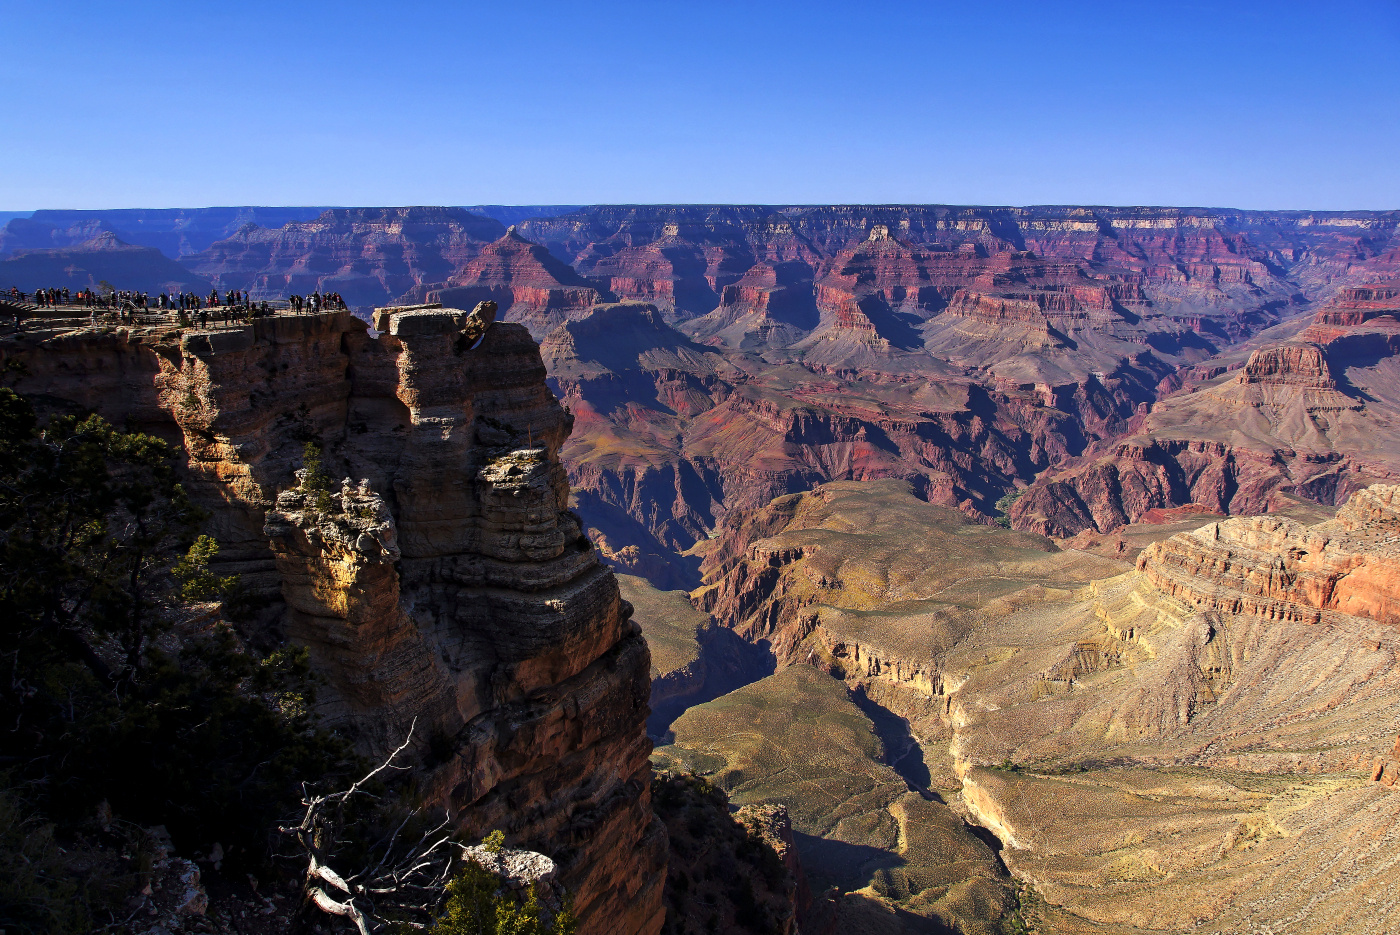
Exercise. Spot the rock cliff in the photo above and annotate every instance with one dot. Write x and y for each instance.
(1218, 762)
(1030, 337)
(443, 582)
(103, 258)
(1280, 570)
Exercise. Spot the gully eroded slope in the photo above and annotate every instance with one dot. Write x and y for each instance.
(1201, 742)
(1313, 417)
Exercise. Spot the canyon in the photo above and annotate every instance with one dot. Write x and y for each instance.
(1202, 739)
(1040, 562)
(1310, 415)
(718, 356)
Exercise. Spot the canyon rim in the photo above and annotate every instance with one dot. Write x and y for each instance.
(810, 569)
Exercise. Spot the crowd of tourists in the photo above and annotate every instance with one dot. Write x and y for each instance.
(232, 306)
(51, 298)
(318, 302)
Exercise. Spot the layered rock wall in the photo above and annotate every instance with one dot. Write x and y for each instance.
(1277, 569)
(1309, 417)
(442, 587)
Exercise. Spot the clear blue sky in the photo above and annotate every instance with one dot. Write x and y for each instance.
(1279, 104)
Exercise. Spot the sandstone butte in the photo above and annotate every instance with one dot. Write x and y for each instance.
(1204, 740)
(448, 585)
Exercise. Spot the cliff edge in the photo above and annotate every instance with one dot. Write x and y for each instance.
(443, 585)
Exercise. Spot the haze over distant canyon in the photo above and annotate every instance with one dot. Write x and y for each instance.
(1041, 561)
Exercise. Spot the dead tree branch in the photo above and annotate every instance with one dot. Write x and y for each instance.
(406, 877)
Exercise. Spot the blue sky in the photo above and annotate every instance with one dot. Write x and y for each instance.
(1229, 103)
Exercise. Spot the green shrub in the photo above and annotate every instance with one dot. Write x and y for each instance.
(315, 478)
(197, 582)
(1004, 505)
(477, 905)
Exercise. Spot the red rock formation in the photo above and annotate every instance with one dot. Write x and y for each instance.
(883, 266)
(1357, 305)
(770, 306)
(1297, 418)
(679, 271)
(1278, 569)
(670, 435)
(528, 284)
(1069, 322)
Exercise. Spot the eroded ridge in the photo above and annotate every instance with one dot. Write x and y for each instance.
(1203, 740)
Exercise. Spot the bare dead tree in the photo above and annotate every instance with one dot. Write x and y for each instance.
(403, 884)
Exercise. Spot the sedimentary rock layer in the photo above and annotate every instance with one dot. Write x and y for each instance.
(1160, 749)
(1088, 314)
(446, 587)
(525, 281)
(368, 255)
(1309, 417)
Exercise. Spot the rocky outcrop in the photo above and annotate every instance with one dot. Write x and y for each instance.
(672, 433)
(870, 584)
(731, 873)
(680, 268)
(1387, 771)
(446, 583)
(1156, 746)
(1049, 331)
(522, 874)
(1252, 649)
(1278, 569)
(772, 305)
(336, 554)
(1140, 475)
(528, 285)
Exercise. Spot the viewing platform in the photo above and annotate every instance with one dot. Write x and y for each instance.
(25, 318)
